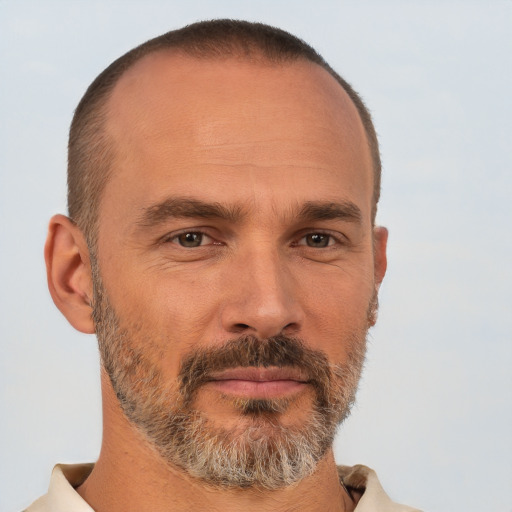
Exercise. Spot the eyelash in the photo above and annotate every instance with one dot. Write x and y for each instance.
(332, 240)
(174, 238)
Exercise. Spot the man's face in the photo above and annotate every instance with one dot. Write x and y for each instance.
(235, 276)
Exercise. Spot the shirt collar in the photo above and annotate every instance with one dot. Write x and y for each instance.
(360, 480)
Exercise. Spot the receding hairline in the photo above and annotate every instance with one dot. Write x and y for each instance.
(170, 63)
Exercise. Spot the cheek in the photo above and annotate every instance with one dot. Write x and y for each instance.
(336, 305)
(173, 307)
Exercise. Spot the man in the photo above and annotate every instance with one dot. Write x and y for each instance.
(223, 183)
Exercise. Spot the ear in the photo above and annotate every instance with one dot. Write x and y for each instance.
(68, 271)
(380, 242)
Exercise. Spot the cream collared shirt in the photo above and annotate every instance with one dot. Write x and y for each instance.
(62, 497)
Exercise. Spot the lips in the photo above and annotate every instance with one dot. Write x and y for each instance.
(258, 382)
(248, 367)
(259, 374)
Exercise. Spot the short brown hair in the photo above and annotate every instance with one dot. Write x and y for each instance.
(90, 153)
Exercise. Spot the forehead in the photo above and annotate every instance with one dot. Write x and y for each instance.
(178, 123)
(163, 89)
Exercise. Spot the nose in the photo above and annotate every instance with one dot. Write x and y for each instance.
(264, 299)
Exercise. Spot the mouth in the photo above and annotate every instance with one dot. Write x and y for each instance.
(257, 382)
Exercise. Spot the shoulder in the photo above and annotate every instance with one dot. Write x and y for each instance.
(61, 495)
(363, 483)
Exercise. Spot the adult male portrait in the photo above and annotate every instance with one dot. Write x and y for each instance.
(223, 184)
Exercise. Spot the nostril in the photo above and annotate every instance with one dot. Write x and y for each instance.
(291, 327)
(241, 327)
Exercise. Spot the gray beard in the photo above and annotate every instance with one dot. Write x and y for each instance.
(260, 451)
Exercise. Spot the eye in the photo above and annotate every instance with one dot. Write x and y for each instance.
(192, 239)
(317, 240)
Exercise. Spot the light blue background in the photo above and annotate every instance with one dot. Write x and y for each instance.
(434, 415)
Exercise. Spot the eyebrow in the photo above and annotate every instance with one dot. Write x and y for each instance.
(319, 210)
(182, 207)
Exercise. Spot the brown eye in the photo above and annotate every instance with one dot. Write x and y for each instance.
(190, 239)
(318, 240)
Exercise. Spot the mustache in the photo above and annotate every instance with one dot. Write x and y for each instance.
(248, 351)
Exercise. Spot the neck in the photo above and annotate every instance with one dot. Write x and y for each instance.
(130, 475)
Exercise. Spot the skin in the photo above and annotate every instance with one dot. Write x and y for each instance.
(261, 140)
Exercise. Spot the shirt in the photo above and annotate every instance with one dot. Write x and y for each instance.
(62, 497)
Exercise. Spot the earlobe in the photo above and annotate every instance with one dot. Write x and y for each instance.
(380, 240)
(69, 272)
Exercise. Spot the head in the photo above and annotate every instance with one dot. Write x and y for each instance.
(223, 184)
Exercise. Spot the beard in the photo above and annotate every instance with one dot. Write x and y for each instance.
(259, 451)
